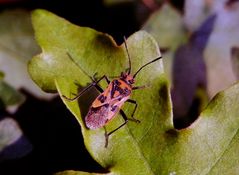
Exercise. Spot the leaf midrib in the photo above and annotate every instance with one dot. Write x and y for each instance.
(139, 150)
(223, 153)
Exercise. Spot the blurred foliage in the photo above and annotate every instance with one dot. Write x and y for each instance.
(1, 75)
(235, 61)
(9, 96)
(197, 47)
(166, 26)
(13, 143)
(17, 46)
(217, 54)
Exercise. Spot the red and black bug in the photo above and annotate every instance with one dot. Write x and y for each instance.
(109, 102)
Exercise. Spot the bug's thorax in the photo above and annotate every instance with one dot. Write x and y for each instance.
(127, 78)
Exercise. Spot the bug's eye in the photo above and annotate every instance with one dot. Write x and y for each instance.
(131, 81)
(123, 75)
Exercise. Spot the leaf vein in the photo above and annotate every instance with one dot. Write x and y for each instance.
(136, 143)
(223, 153)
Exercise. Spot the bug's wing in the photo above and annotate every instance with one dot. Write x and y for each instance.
(100, 116)
(107, 105)
(115, 106)
(97, 117)
(103, 98)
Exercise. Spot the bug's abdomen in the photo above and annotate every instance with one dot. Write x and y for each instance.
(97, 117)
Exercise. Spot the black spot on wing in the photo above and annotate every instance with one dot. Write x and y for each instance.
(106, 105)
(126, 91)
(102, 98)
(113, 89)
(119, 89)
(113, 108)
(116, 87)
(117, 82)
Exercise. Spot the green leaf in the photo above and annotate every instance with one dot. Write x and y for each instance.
(209, 146)
(97, 52)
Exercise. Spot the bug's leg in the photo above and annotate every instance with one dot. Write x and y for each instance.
(78, 95)
(135, 107)
(94, 77)
(106, 137)
(99, 88)
(94, 83)
(97, 81)
(107, 79)
(139, 87)
(111, 132)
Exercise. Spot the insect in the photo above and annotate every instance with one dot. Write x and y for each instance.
(109, 102)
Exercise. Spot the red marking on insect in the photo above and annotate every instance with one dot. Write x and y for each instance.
(109, 102)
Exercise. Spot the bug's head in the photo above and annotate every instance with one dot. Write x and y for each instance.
(126, 76)
(129, 79)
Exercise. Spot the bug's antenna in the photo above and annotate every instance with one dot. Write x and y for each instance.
(69, 55)
(145, 65)
(128, 55)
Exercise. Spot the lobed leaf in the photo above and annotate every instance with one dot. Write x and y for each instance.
(153, 146)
